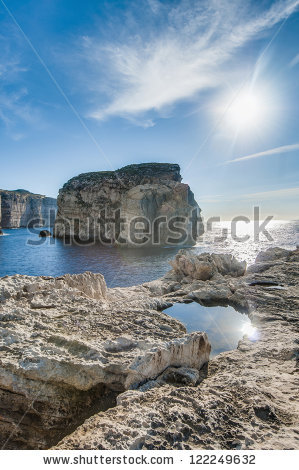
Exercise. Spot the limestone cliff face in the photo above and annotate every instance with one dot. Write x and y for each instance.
(19, 207)
(111, 206)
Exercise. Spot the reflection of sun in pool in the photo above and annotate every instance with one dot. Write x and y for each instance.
(250, 331)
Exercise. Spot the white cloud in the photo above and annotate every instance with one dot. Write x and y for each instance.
(15, 109)
(265, 153)
(154, 69)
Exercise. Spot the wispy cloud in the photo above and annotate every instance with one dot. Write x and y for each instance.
(15, 104)
(277, 193)
(285, 193)
(266, 153)
(154, 5)
(151, 71)
(211, 199)
(294, 61)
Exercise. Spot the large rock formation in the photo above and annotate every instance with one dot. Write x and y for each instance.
(20, 207)
(130, 199)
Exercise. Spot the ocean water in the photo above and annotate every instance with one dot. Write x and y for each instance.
(126, 267)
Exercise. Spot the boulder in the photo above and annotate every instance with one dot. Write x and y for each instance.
(272, 254)
(206, 266)
(45, 233)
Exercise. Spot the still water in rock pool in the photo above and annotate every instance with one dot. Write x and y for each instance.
(223, 325)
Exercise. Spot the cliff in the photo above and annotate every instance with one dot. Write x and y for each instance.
(18, 208)
(141, 204)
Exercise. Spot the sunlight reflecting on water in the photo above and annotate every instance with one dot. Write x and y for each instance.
(283, 233)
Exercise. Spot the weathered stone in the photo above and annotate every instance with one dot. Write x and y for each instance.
(69, 345)
(206, 266)
(272, 254)
(211, 293)
(247, 400)
(148, 191)
(18, 208)
(180, 375)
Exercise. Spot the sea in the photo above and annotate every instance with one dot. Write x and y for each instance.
(22, 252)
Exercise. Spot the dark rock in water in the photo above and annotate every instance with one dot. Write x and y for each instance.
(45, 233)
(1, 233)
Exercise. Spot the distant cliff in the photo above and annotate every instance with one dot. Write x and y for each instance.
(146, 197)
(19, 207)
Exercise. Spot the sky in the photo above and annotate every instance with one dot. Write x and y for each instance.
(209, 84)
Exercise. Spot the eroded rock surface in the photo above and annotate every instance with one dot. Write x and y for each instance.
(246, 399)
(206, 266)
(71, 348)
(18, 208)
(91, 205)
(69, 345)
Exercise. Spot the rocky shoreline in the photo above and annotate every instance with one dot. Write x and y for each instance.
(87, 367)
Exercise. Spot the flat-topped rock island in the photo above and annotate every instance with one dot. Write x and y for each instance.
(109, 205)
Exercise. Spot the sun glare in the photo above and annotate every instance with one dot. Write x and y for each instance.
(247, 110)
(250, 331)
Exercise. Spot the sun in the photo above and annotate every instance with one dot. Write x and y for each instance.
(246, 110)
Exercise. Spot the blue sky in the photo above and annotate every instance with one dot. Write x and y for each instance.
(211, 85)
